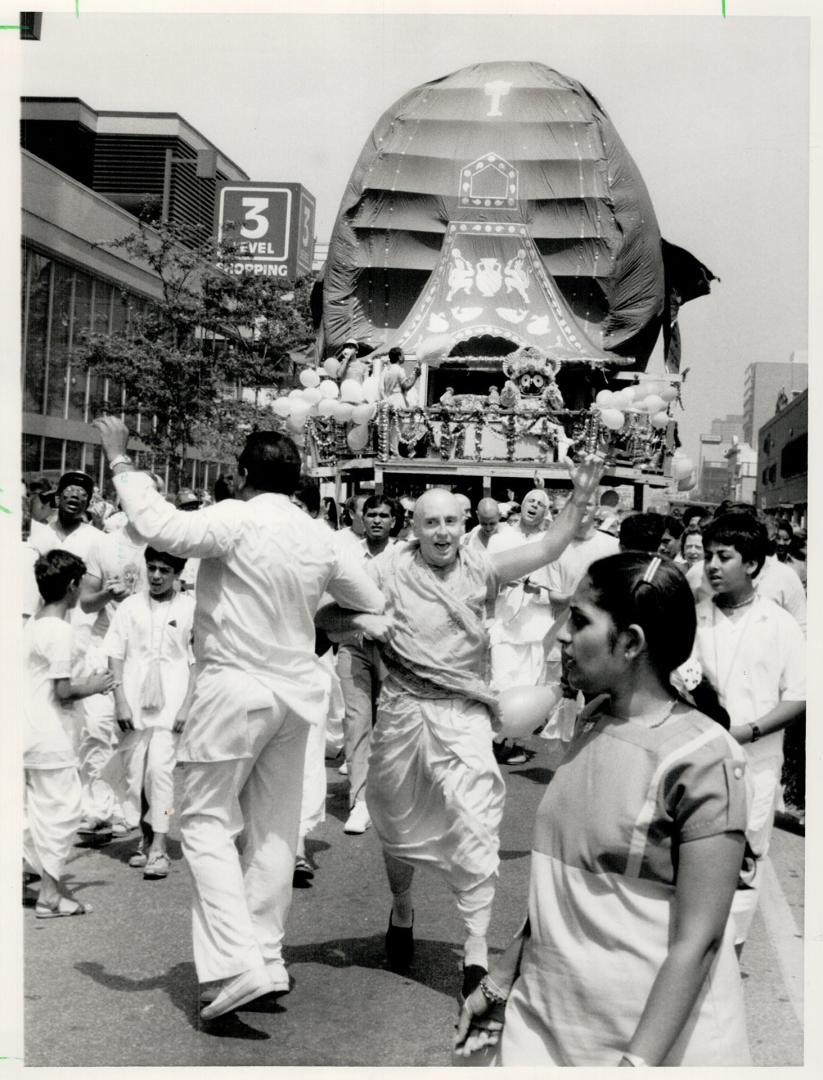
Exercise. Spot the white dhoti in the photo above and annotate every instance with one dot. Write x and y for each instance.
(148, 758)
(241, 901)
(764, 798)
(435, 794)
(100, 768)
(51, 816)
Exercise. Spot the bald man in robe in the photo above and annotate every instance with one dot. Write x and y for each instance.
(488, 523)
(435, 793)
(523, 613)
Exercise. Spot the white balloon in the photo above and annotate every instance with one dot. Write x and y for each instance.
(370, 388)
(687, 483)
(297, 392)
(309, 377)
(653, 403)
(682, 467)
(328, 388)
(622, 399)
(351, 390)
(358, 438)
(281, 406)
(361, 414)
(331, 367)
(660, 420)
(326, 406)
(299, 409)
(604, 399)
(343, 410)
(522, 708)
(668, 393)
(312, 395)
(296, 423)
(613, 419)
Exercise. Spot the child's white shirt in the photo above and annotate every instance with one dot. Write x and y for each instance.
(754, 663)
(48, 725)
(139, 626)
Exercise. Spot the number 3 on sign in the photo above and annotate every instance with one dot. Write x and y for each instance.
(254, 213)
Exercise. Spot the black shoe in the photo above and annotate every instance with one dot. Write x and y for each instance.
(509, 755)
(472, 974)
(399, 946)
(303, 873)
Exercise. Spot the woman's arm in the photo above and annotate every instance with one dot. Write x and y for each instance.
(706, 879)
(481, 1018)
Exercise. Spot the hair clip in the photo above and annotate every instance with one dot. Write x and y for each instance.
(651, 570)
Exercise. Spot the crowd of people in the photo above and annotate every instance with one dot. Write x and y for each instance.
(244, 639)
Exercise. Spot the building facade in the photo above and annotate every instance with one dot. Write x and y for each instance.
(783, 461)
(713, 479)
(85, 177)
(762, 388)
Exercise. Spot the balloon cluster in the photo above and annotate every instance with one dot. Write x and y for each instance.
(649, 397)
(352, 402)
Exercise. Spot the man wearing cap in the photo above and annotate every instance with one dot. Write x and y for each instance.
(68, 529)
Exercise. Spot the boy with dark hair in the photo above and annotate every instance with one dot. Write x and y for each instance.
(149, 654)
(753, 653)
(641, 532)
(52, 790)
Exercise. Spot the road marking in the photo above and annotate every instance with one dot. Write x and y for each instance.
(784, 935)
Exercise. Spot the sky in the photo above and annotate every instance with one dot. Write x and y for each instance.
(714, 112)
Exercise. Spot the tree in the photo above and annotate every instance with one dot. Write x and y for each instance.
(194, 363)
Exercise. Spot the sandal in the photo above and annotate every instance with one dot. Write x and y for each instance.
(157, 866)
(61, 911)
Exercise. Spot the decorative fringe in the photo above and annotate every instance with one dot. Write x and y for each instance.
(152, 695)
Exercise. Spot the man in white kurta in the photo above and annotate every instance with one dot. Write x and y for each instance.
(523, 614)
(264, 567)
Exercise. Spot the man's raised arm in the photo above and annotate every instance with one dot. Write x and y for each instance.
(516, 562)
(198, 533)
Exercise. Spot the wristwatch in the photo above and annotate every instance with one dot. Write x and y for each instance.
(634, 1060)
(755, 732)
(121, 459)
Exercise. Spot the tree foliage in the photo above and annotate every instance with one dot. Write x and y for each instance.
(195, 363)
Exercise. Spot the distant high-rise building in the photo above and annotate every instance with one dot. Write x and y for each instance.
(762, 386)
(712, 464)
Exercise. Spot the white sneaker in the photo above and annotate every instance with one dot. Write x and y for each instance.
(276, 970)
(238, 991)
(358, 820)
(344, 769)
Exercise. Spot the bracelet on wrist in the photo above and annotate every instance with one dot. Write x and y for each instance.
(492, 992)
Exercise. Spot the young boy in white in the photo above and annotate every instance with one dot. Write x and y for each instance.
(52, 792)
(753, 653)
(149, 648)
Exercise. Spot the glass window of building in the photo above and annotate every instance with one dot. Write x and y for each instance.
(52, 455)
(74, 455)
(59, 336)
(38, 282)
(32, 449)
(81, 322)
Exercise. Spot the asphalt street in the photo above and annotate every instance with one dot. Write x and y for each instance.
(117, 987)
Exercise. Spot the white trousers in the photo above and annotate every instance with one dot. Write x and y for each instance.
(51, 816)
(313, 801)
(242, 897)
(148, 759)
(518, 664)
(764, 798)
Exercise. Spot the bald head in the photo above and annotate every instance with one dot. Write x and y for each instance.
(533, 510)
(488, 516)
(438, 526)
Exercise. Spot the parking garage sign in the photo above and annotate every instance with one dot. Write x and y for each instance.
(273, 225)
